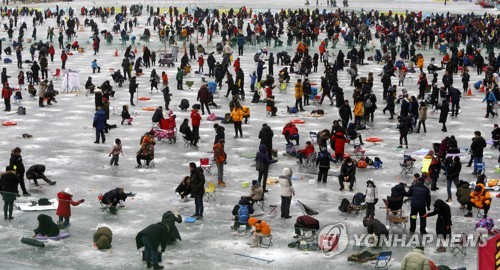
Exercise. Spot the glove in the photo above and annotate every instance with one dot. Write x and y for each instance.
(425, 216)
(376, 201)
(82, 200)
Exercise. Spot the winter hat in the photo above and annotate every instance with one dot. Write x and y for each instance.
(252, 221)
(68, 191)
(192, 165)
(254, 182)
(287, 172)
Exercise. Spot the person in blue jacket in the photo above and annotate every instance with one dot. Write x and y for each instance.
(100, 124)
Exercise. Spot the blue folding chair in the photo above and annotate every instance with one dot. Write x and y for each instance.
(383, 259)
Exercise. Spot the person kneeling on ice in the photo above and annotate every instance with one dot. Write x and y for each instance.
(151, 238)
(36, 172)
(169, 219)
(479, 198)
(102, 238)
(261, 229)
(113, 197)
(242, 212)
(64, 208)
(46, 226)
(184, 189)
(374, 226)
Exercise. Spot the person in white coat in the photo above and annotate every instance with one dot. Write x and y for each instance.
(371, 198)
(287, 192)
(416, 260)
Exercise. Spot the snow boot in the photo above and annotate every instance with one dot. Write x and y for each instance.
(157, 266)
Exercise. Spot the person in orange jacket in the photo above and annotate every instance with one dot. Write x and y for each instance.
(479, 198)
(220, 160)
(261, 229)
(64, 208)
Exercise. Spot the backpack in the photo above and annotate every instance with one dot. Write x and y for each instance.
(293, 110)
(243, 214)
(344, 205)
(368, 103)
(259, 165)
(7, 60)
(44, 201)
(184, 104)
(358, 198)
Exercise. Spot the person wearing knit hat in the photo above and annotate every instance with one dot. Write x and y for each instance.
(287, 191)
(65, 199)
(102, 238)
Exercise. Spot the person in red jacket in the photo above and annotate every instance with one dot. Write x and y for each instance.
(201, 62)
(64, 57)
(51, 51)
(195, 121)
(304, 153)
(6, 94)
(339, 141)
(291, 132)
(64, 208)
(236, 65)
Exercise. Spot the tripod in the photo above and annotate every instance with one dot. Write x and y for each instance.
(67, 88)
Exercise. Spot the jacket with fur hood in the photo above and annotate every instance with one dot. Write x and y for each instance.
(285, 180)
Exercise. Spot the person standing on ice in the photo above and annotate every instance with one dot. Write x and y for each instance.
(197, 184)
(287, 191)
(220, 160)
(152, 237)
(420, 199)
(65, 199)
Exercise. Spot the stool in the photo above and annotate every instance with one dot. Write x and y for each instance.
(273, 208)
(260, 204)
(266, 241)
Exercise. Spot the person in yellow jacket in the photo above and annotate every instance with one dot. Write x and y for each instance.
(237, 116)
(246, 113)
(298, 95)
(479, 198)
(358, 111)
(420, 62)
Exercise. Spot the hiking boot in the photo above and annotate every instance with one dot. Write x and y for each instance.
(157, 266)
(222, 184)
(233, 228)
(469, 214)
(11, 218)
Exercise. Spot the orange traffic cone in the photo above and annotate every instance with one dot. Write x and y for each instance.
(135, 50)
(116, 52)
(482, 88)
(469, 92)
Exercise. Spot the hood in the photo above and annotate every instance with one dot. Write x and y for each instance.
(262, 149)
(481, 186)
(193, 111)
(103, 242)
(440, 204)
(44, 219)
(252, 221)
(244, 201)
(101, 112)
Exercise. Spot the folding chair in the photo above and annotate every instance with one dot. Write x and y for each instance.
(273, 208)
(395, 215)
(206, 166)
(57, 75)
(266, 241)
(307, 210)
(358, 150)
(308, 234)
(314, 136)
(310, 160)
(189, 84)
(459, 246)
(316, 100)
(383, 260)
(104, 207)
(260, 204)
(407, 165)
(210, 191)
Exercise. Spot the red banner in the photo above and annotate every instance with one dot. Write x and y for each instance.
(489, 255)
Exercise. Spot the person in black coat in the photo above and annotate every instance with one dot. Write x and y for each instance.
(263, 156)
(170, 219)
(454, 166)
(197, 188)
(455, 96)
(211, 64)
(36, 172)
(219, 133)
(186, 130)
(157, 115)
(184, 188)
(244, 201)
(339, 95)
(420, 200)
(151, 238)
(345, 113)
(403, 131)
(114, 196)
(347, 173)
(46, 226)
(374, 226)
(443, 223)
(405, 106)
(166, 97)
(443, 115)
(477, 147)
(399, 191)
(132, 88)
(323, 162)
(307, 91)
(8, 186)
(16, 163)
(266, 135)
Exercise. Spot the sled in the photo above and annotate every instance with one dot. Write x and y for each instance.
(62, 235)
(30, 207)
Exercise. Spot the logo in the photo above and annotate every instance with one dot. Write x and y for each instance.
(333, 239)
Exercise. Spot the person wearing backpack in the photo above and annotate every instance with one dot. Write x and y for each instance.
(241, 213)
(262, 165)
(323, 161)
(371, 198)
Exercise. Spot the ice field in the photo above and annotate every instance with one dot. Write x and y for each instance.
(63, 140)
